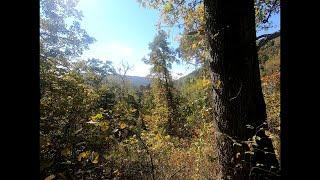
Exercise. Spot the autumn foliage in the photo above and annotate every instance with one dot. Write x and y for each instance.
(94, 128)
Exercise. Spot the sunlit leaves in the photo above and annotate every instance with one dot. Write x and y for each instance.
(84, 155)
(168, 7)
(104, 125)
(122, 125)
(95, 157)
(189, 16)
(271, 89)
(97, 117)
(57, 37)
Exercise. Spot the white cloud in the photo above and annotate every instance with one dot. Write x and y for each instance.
(140, 69)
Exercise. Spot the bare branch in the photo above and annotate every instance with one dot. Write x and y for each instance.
(177, 171)
(266, 38)
(266, 35)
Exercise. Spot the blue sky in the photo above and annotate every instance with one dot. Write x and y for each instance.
(123, 29)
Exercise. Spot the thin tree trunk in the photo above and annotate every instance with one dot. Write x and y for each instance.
(150, 156)
(237, 95)
(169, 98)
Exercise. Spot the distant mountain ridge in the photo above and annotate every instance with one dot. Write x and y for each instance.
(183, 79)
(134, 80)
(137, 81)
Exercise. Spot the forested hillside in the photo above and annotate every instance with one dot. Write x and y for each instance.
(135, 81)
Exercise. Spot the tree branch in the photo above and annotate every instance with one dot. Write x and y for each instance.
(266, 35)
(180, 3)
(270, 12)
(177, 171)
(266, 38)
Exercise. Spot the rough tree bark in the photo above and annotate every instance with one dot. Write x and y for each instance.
(239, 106)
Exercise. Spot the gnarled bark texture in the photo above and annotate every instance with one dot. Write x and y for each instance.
(239, 107)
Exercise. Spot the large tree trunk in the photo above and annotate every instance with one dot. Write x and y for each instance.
(238, 105)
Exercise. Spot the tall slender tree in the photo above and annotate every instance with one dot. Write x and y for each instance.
(161, 58)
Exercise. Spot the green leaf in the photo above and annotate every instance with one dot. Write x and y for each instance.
(168, 7)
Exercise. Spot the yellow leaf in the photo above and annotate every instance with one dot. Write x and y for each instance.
(104, 126)
(83, 155)
(97, 117)
(122, 125)
(168, 7)
(96, 158)
(50, 177)
(218, 84)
